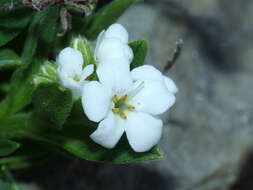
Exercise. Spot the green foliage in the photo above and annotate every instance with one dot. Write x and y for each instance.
(80, 144)
(54, 102)
(7, 182)
(12, 22)
(140, 49)
(42, 31)
(46, 74)
(7, 147)
(21, 87)
(48, 31)
(74, 138)
(105, 17)
(29, 154)
(35, 104)
(9, 59)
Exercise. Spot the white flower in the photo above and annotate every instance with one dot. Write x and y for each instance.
(130, 102)
(70, 70)
(113, 44)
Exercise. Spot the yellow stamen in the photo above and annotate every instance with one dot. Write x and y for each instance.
(115, 99)
(76, 79)
(122, 115)
(115, 110)
(123, 98)
(130, 107)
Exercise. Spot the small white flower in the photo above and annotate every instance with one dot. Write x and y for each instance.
(113, 44)
(130, 102)
(70, 70)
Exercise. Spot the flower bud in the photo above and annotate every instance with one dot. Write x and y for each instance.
(46, 74)
(83, 45)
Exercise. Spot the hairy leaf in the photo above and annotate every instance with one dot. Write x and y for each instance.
(53, 101)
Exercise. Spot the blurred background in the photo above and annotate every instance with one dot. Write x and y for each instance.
(208, 135)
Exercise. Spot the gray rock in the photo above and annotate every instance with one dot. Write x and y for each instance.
(209, 131)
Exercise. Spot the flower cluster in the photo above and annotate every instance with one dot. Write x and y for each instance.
(121, 100)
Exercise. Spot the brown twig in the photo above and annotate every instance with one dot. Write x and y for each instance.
(176, 54)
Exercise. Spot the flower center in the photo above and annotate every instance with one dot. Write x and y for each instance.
(76, 78)
(121, 107)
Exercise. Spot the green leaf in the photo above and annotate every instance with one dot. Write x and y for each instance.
(12, 22)
(7, 147)
(9, 59)
(105, 17)
(53, 101)
(74, 138)
(140, 49)
(82, 146)
(32, 36)
(48, 31)
(22, 85)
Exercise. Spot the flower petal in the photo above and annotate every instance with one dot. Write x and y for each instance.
(115, 74)
(87, 71)
(117, 31)
(146, 72)
(143, 131)
(99, 40)
(171, 86)
(71, 61)
(112, 48)
(96, 100)
(68, 82)
(153, 97)
(107, 133)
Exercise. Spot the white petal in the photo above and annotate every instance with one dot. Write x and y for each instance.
(87, 71)
(153, 97)
(171, 86)
(129, 53)
(71, 61)
(99, 40)
(66, 81)
(146, 72)
(117, 31)
(112, 48)
(107, 133)
(96, 100)
(115, 74)
(143, 131)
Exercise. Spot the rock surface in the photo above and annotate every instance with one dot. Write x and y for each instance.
(208, 133)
